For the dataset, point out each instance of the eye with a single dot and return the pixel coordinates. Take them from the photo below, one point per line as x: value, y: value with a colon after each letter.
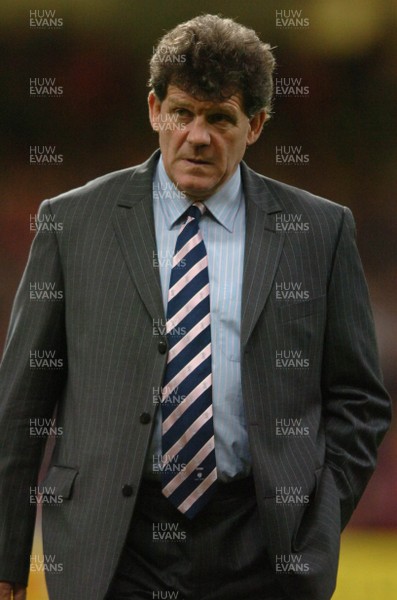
x: 182, y: 112
x: 221, y: 118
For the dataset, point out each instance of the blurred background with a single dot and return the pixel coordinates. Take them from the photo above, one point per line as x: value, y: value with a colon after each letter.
x: 335, y: 102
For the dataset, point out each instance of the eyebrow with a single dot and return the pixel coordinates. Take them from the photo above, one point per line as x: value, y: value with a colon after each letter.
x: 229, y: 110
x: 183, y: 103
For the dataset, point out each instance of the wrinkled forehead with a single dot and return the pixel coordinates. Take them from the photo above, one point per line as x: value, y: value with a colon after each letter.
x: 203, y: 101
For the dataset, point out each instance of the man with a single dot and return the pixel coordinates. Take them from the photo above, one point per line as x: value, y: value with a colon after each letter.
x: 215, y: 429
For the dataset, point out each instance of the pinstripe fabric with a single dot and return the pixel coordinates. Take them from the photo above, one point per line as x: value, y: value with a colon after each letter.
x: 223, y: 232
x: 103, y: 259
x: 241, y: 572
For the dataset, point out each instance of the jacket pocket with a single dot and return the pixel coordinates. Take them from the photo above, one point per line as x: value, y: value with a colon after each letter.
x: 59, y: 482
x: 295, y: 310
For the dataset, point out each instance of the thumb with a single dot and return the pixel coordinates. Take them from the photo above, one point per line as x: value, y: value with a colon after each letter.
x: 19, y: 592
x: 5, y: 590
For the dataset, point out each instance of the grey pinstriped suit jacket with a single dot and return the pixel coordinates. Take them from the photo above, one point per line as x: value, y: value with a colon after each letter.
x: 102, y: 257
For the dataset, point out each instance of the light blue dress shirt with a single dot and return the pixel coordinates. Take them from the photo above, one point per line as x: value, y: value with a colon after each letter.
x: 223, y: 231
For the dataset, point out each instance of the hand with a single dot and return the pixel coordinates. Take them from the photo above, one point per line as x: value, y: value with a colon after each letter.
x: 12, y: 591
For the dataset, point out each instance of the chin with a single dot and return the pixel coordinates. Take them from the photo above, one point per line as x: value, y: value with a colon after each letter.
x: 195, y: 192
x: 195, y: 188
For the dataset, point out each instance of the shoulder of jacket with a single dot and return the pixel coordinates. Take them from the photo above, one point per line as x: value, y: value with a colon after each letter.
x: 291, y: 197
x: 91, y: 189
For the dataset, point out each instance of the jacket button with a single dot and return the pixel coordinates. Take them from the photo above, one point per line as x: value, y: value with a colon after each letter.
x: 162, y: 347
x: 127, y: 490
x: 145, y: 418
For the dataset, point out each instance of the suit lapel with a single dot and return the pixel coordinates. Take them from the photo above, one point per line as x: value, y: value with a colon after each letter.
x: 263, y: 245
x: 135, y: 231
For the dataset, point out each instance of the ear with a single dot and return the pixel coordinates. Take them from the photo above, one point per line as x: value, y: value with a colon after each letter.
x: 256, y: 126
x: 154, y: 110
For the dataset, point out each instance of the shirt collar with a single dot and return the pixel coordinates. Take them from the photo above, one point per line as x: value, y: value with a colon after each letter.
x: 223, y: 205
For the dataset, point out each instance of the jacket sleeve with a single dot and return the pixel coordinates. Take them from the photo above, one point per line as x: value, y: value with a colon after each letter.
x: 29, y: 391
x: 357, y: 409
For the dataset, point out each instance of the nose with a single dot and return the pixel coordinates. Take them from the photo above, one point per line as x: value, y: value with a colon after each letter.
x: 198, y: 134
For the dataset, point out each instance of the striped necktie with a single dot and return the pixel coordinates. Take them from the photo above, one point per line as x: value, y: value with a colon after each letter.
x: 188, y: 448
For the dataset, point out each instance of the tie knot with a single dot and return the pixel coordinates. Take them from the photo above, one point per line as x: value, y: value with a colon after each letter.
x: 196, y: 210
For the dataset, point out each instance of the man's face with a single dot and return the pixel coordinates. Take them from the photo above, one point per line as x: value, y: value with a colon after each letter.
x: 201, y: 142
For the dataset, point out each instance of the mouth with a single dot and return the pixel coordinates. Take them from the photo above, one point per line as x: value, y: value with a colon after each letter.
x: 197, y: 161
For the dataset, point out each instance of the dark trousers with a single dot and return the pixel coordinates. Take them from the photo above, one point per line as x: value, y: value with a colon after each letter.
x: 219, y: 555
